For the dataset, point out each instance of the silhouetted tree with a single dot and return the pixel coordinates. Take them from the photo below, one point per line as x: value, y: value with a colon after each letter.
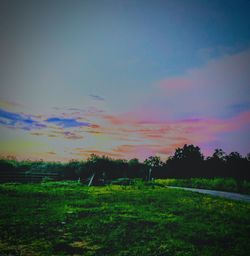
x: 215, y: 166
x: 134, y: 167
x: 235, y: 165
x: 186, y: 162
x: 98, y: 166
x: 248, y: 156
x: 154, y: 165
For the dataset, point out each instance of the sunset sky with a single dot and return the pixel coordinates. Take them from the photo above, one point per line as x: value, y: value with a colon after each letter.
x: 124, y: 78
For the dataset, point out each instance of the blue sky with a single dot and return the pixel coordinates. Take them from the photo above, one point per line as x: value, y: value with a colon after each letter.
x: 139, y: 61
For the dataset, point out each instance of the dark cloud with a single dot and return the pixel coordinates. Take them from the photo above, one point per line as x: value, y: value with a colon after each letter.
x: 16, y: 120
x: 66, y: 122
x: 96, y: 97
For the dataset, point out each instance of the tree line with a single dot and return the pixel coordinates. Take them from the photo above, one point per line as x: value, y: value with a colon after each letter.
x: 186, y: 162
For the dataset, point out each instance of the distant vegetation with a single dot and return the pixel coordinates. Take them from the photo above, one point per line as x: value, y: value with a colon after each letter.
x: 224, y: 184
x: 186, y: 162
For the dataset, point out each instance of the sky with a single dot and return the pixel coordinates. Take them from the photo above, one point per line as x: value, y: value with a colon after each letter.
x: 125, y: 79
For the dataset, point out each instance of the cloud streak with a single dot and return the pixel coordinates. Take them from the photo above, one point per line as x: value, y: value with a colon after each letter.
x: 96, y: 97
x: 21, y: 121
x: 66, y: 122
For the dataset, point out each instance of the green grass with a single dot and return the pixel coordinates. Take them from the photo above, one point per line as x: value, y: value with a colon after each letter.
x: 224, y: 184
x: 65, y: 218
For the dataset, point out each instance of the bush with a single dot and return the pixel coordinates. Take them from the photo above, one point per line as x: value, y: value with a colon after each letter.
x: 46, y: 179
x: 122, y: 181
x: 223, y: 184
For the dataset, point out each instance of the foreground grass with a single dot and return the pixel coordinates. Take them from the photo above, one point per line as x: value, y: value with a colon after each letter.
x: 69, y: 219
x: 224, y: 184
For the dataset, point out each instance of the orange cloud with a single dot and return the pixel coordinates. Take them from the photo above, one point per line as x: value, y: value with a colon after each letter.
x: 87, y: 152
x: 51, y: 153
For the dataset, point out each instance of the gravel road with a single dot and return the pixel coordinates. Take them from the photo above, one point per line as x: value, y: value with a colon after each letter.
x: 229, y: 195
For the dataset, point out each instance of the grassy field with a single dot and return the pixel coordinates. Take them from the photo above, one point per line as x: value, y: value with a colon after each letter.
x: 65, y: 218
x: 224, y: 184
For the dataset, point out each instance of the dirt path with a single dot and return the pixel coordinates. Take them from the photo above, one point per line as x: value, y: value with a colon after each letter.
x: 229, y: 195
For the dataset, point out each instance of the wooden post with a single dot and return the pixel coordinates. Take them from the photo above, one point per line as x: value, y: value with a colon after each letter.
x: 149, y: 174
x: 91, y: 180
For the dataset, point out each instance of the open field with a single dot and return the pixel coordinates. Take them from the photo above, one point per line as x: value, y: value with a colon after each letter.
x: 66, y: 218
x: 223, y: 184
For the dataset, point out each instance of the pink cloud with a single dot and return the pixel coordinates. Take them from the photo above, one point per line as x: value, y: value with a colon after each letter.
x: 113, y: 119
x: 209, y: 90
x: 176, y: 83
x: 87, y: 152
x: 165, y: 138
x: 136, y: 151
